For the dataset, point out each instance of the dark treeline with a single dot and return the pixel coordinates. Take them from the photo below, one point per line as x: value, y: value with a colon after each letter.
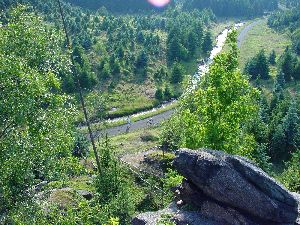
x: 235, y: 7
x: 291, y: 3
x: 119, y: 6
x: 284, y: 19
x: 290, y: 20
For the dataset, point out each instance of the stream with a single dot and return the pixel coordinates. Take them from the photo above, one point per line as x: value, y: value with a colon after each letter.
x: 221, y: 40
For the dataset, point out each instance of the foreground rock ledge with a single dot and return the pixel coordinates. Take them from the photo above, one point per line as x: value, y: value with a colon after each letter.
x: 232, y: 190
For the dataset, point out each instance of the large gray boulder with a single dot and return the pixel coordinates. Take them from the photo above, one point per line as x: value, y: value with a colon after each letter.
x: 233, y: 190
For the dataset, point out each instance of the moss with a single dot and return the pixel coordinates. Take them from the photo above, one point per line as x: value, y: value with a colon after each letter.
x: 64, y: 198
x: 164, y: 160
x: 148, y: 137
x: 81, y: 183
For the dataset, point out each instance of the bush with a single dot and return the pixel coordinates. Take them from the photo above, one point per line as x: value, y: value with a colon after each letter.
x: 171, y: 134
x: 291, y: 175
x: 115, y: 188
x: 81, y: 146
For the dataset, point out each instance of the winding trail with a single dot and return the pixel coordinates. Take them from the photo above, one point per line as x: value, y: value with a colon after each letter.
x: 159, y: 118
x: 244, y: 32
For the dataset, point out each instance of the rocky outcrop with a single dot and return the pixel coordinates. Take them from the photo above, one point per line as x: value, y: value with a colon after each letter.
x: 226, y: 190
x: 233, y: 190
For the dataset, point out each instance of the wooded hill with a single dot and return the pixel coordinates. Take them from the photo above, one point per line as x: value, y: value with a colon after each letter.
x: 119, y: 6
x: 242, y: 8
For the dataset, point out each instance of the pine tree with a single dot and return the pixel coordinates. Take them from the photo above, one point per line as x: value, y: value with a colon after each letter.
x: 207, y: 43
x: 278, y: 90
x: 272, y: 58
x: 291, y: 125
x: 106, y: 71
x: 167, y: 93
x: 159, y: 94
x: 258, y: 66
x: 296, y: 74
x: 262, y: 65
x: 278, y: 144
x: 176, y: 51
x: 192, y: 43
x: 177, y: 73
x: 140, y: 37
x: 287, y: 65
x: 87, y: 78
x: 160, y: 75
x: 142, y: 60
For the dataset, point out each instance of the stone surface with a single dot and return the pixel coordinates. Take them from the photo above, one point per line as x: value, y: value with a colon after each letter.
x: 233, y: 190
x: 86, y: 194
x: 297, y: 196
x: 180, y: 217
x: 152, y: 218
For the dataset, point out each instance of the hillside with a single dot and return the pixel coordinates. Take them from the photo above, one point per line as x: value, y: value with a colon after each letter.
x: 77, y: 147
x: 120, y: 6
x: 227, y: 8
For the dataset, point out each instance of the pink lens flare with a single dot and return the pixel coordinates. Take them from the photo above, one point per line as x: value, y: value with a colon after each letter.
x: 159, y: 3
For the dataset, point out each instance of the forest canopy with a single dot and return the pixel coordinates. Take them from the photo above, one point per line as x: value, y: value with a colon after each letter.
x: 244, y: 8
x: 119, y: 6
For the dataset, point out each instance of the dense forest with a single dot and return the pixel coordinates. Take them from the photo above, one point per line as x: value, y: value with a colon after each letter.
x: 125, y: 57
x: 119, y: 6
x: 128, y: 48
x: 242, y: 8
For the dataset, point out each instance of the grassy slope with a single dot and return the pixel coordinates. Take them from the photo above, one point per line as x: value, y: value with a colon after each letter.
x: 132, y: 142
x: 262, y: 37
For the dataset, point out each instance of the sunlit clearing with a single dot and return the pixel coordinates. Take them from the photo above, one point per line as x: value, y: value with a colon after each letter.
x: 159, y: 3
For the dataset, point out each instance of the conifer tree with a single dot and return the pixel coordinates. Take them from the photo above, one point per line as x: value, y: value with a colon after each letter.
x: 291, y: 126
x: 177, y: 73
x: 159, y: 94
x: 258, y: 66
x: 142, y: 60
x: 287, y: 65
x: 87, y: 78
x: 192, y: 43
x: 296, y: 74
x: 272, y: 58
x: 207, y: 43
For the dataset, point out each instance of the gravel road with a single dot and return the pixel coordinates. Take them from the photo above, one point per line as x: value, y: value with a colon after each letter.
x: 245, y: 31
x: 157, y: 119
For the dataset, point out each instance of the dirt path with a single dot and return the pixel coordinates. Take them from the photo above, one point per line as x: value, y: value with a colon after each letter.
x: 245, y: 31
x: 157, y: 119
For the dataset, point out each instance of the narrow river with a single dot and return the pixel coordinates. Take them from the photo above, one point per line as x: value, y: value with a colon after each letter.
x: 221, y: 39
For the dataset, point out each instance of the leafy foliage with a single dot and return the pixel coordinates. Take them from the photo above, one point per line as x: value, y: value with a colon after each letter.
x: 290, y: 177
x: 217, y: 113
x: 115, y: 190
x: 36, y: 134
